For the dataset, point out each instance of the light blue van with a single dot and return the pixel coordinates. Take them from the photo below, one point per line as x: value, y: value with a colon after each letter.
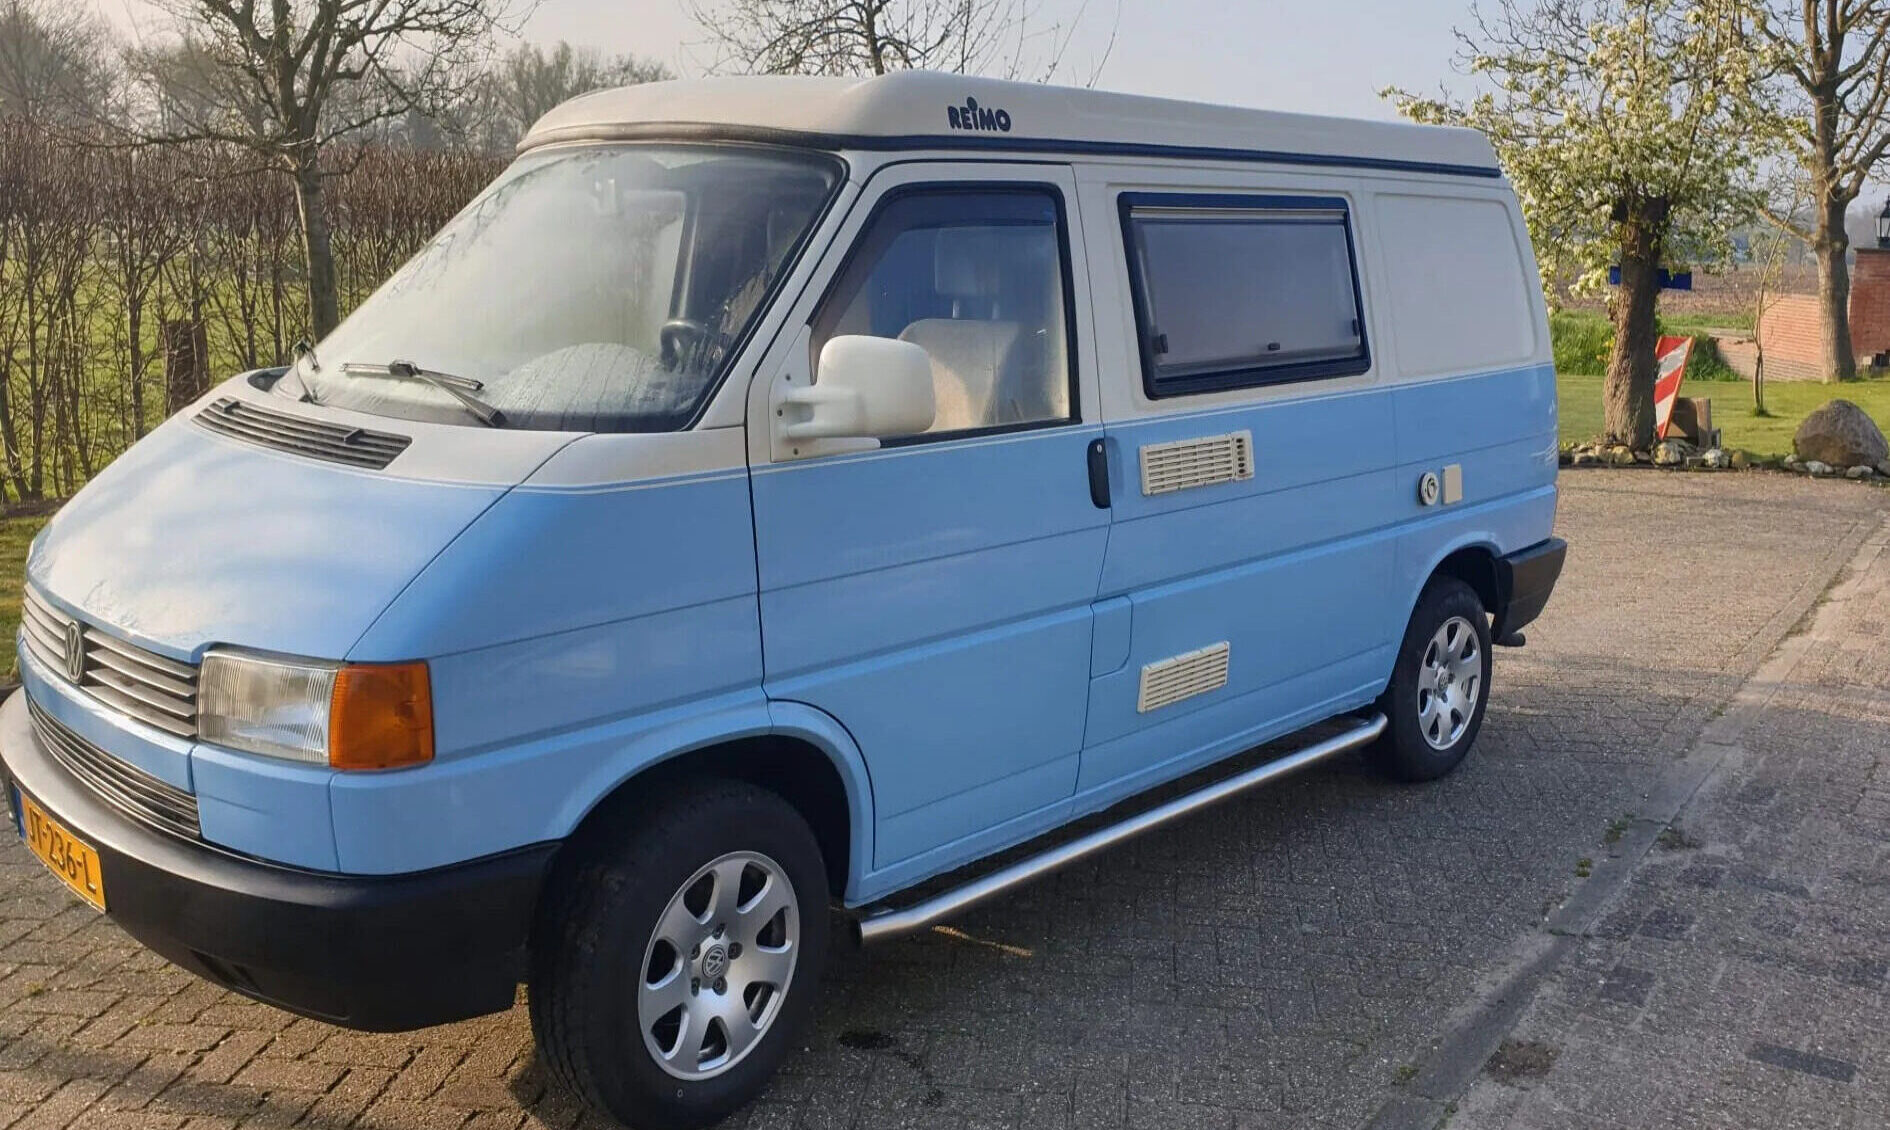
x: 772, y: 494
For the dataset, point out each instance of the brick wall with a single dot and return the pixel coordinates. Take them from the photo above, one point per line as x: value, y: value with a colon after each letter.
x: 1790, y: 326
x: 1870, y: 303
x: 1790, y: 333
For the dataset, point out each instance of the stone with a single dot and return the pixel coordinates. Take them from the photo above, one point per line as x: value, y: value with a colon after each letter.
x: 1840, y: 434
x: 1739, y: 460
x: 1584, y: 459
x: 1815, y: 467
x: 1643, y: 457
x: 1621, y: 456
x: 1716, y: 458
x: 1859, y: 472
x: 1671, y: 452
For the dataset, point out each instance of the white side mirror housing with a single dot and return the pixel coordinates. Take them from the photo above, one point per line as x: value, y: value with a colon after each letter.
x: 866, y: 388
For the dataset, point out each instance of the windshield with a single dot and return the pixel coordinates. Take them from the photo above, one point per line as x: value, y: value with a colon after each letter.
x: 592, y: 289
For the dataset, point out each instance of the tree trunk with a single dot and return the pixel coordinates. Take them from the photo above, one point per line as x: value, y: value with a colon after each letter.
x: 186, y: 363
x: 1834, y: 293
x: 324, y: 307
x: 1628, y: 394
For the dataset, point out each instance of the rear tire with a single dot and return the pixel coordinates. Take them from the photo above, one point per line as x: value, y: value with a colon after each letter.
x: 1440, y: 684
x: 677, y: 959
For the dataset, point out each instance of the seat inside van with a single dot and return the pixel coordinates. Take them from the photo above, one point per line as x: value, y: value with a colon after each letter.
x: 985, y: 302
x: 973, y: 351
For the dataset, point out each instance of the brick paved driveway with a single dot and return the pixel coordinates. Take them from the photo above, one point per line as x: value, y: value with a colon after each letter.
x: 1285, y: 960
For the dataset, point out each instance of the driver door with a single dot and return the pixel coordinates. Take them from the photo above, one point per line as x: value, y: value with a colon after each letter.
x: 932, y: 592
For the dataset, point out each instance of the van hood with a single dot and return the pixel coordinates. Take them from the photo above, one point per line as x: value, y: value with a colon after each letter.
x: 191, y: 538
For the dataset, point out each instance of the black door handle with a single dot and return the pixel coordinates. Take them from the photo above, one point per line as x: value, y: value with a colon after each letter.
x: 1099, y: 474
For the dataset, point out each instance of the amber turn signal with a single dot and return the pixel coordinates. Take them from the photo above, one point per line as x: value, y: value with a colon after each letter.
x: 381, y: 716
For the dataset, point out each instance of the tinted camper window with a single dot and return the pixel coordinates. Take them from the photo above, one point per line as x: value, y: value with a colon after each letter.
x: 1235, y: 291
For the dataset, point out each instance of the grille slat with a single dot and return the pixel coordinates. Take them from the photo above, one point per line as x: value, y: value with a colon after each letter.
x: 144, y: 693
x: 149, y: 661
x: 317, y: 439
x: 42, y: 652
x: 129, y: 789
x: 157, y: 690
x: 132, y: 669
x: 126, y: 704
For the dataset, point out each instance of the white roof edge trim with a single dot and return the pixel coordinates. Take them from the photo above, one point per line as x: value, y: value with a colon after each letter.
x: 925, y: 109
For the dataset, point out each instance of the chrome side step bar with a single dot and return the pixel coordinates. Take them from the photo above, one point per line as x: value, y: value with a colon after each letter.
x: 880, y: 925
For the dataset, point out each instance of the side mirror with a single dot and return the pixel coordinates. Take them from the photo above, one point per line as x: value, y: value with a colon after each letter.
x: 867, y: 388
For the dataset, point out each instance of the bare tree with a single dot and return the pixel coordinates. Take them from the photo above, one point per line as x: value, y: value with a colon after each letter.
x: 294, y: 76
x: 1008, y: 38
x: 529, y: 81
x: 53, y: 63
x: 1830, y: 109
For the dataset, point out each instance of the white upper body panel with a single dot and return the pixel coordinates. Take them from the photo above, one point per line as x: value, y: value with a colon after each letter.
x: 919, y: 109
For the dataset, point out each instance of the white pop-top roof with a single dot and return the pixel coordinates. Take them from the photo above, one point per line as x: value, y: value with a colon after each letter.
x: 925, y: 109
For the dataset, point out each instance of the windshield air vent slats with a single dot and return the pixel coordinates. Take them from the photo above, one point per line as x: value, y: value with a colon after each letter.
x: 316, y: 439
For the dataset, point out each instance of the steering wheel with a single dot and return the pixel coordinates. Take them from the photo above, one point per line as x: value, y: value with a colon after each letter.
x: 678, y: 337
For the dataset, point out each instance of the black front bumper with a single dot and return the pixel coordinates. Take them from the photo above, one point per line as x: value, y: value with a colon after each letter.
x: 378, y: 953
x: 1526, y: 578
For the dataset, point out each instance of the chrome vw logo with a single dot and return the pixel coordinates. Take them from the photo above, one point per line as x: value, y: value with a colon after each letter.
x: 715, y: 961
x: 75, y: 651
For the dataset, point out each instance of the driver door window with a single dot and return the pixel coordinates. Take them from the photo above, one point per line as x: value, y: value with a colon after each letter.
x: 977, y: 278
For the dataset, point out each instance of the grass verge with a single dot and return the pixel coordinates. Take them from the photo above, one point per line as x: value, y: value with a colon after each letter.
x: 1789, y: 402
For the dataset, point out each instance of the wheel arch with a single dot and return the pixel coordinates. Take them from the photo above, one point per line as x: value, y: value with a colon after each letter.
x: 794, y: 750
x: 1477, y: 564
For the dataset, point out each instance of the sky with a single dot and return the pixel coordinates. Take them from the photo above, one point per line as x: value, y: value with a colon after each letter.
x: 1315, y: 56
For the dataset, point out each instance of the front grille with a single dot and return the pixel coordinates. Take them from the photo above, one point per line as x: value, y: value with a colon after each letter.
x: 130, y: 790
x: 155, y: 690
x: 317, y: 439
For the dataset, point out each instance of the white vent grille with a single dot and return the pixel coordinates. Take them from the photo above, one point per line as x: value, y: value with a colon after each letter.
x: 1169, y: 681
x: 1188, y: 463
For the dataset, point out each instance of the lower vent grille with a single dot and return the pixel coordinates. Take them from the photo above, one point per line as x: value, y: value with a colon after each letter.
x: 1168, y: 681
x: 130, y: 790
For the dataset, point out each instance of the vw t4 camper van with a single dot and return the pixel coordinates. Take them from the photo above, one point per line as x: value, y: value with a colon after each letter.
x: 769, y: 495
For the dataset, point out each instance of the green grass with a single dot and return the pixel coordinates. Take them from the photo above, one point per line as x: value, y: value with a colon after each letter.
x: 1789, y: 402
x: 1582, y: 339
x: 15, y: 535
x: 1702, y: 323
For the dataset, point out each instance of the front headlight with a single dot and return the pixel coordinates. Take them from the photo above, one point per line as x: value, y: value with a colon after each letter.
x: 354, y: 716
x: 266, y: 705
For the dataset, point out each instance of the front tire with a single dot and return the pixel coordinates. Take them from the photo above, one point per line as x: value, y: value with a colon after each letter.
x: 678, y: 959
x: 1440, y: 684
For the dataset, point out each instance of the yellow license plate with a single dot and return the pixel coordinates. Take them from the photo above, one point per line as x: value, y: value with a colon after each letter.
x: 69, y: 857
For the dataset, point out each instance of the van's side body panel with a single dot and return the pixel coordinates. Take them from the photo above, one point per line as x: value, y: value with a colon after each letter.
x: 1308, y: 570
x: 1475, y: 374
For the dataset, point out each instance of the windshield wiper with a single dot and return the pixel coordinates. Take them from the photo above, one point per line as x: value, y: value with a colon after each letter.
x: 459, y: 388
